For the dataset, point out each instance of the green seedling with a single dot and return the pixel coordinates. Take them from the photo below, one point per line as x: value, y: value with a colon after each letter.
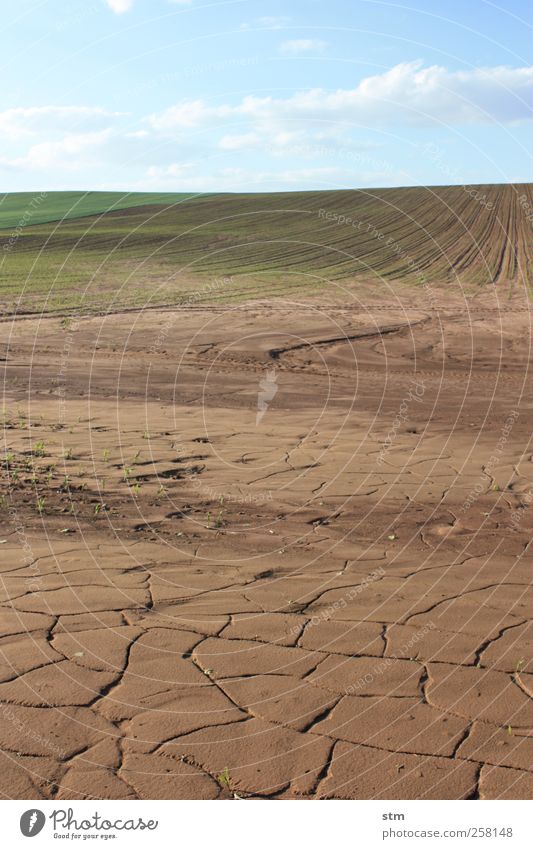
x: 97, y: 509
x: 126, y: 473
x: 68, y: 454
x: 39, y: 450
x: 105, y: 455
x: 40, y: 504
x: 224, y: 778
x: 136, y: 488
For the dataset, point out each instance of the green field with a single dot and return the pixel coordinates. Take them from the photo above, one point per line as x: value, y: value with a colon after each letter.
x: 155, y: 249
x: 22, y: 208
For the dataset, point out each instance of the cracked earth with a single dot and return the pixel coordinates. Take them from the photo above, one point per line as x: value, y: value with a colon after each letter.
x: 330, y: 600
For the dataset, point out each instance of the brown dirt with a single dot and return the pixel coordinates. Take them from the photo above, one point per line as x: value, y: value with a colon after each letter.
x: 276, y: 550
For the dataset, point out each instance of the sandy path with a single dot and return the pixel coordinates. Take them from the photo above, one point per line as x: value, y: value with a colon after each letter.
x: 274, y: 551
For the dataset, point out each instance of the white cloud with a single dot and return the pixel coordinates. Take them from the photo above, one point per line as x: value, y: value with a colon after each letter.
x: 298, y: 46
x: 244, y: 141
x: 72, y: 152
x: 27, y: 121
x: 407, y: 94
x: 120, y: 6
x: 268, y: 22
x: 194, y: 177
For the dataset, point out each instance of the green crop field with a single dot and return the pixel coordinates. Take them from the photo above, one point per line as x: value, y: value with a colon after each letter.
x: 155, y: 249
x: 22, y: 208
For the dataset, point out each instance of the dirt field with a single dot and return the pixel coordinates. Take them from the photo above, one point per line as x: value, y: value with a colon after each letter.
x: 273, y: 550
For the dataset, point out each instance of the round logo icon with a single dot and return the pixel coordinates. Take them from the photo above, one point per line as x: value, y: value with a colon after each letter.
x: 32, y: 822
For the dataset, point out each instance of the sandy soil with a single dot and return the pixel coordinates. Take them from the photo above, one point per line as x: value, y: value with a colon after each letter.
x: 280, y: 550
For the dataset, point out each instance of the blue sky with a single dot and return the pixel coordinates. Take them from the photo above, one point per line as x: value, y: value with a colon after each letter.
x: 248, y: 95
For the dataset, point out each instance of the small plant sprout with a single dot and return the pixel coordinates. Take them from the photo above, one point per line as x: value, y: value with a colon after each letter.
x: 136, y: 488
x: 146, y: 435
x: 40, y: 504
x: 520, y: 665
x: 67, y: 454
x: 97, y: 509
x: 509, y: 729
x: 208, y: 518
x: 105, y: 455
x: 9, y: 458
x: 39, y: 450
x: 126, y: 473
x: 496, y: 487
x: 224, y: 778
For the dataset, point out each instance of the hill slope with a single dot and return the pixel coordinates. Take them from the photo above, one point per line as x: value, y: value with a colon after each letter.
x: 271, y: 244
x: 23, y: 208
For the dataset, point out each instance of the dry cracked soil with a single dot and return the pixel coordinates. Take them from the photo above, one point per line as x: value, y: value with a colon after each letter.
x: 276, y: 550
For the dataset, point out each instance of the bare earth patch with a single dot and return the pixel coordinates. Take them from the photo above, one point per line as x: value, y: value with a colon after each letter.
x: 275, y: 550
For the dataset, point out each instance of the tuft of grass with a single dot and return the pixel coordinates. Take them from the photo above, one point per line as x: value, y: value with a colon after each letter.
x: 40, y: 503
x: 39, y: 449
x: 224, y: 778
